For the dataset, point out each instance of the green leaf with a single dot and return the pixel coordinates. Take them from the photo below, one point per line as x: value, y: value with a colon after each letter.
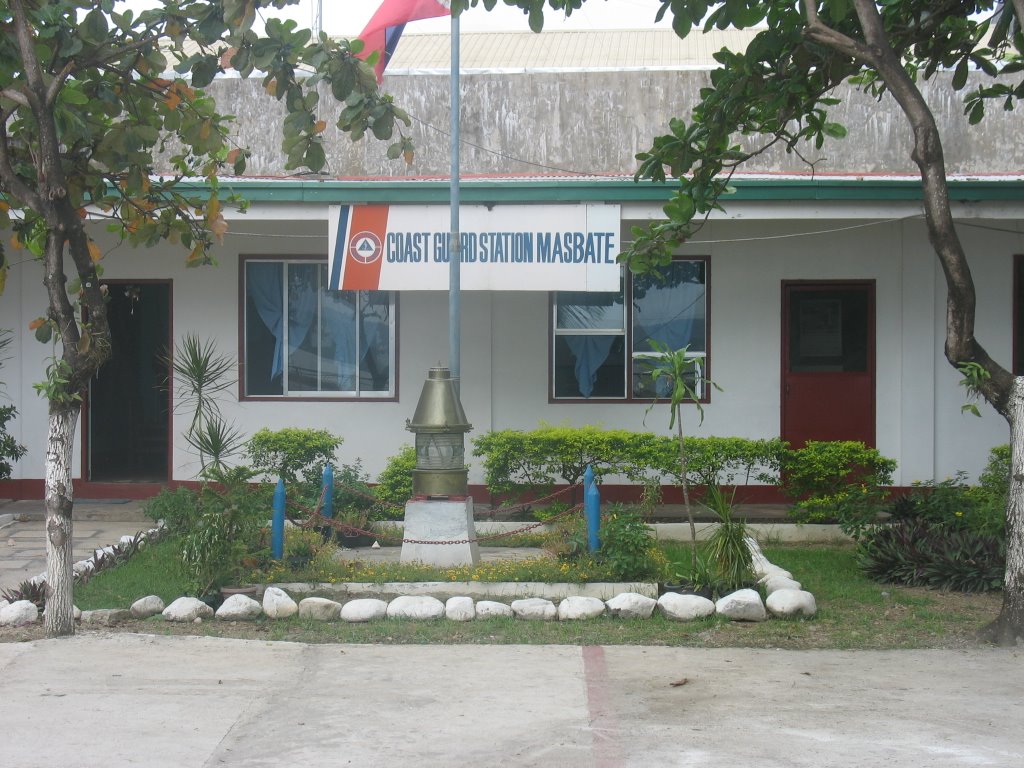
x: 835, y: 130
x: 70, y: 94
x: 960, y: 74
x: 93, y: 28
x: 977, y: 112
x: 384, y: 126
x: 536, y: 18
x: 315, y: 159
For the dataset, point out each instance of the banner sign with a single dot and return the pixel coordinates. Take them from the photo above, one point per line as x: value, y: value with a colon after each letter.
x: 504, y: 248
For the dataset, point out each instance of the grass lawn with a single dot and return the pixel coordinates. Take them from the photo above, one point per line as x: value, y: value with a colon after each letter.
x: 853, y: 613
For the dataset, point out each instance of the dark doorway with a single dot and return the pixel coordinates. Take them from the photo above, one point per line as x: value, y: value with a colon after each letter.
x: 828, y: 365
x: 129, y: 401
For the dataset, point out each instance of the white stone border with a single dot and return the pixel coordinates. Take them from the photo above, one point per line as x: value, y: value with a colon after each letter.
x: 463, y: 601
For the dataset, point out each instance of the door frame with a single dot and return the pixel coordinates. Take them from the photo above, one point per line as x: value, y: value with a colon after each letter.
x: 824, y: 285
x: 86, y: 468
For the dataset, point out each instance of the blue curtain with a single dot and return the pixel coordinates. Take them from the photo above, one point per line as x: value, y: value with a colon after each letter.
x: 667, y: 316
x: 264, y: 287
x: 590, y: 353
x: 302, y: 304
x: 340, y: 323
x: 339, y: 318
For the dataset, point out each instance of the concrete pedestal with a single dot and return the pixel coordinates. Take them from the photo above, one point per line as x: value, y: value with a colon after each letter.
x: 440, y: 521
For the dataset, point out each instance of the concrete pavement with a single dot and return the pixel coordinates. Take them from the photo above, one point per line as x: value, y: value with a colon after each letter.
x: 96, y: 524
x: 119, y: 699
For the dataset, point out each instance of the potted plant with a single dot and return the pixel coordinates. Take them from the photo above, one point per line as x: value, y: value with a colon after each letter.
x: 699, y: 580
x: 300, y: 548
x: 356, y: 522
x: 729, y: 556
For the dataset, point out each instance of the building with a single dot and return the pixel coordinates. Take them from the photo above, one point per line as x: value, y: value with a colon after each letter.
x: 814, y: 301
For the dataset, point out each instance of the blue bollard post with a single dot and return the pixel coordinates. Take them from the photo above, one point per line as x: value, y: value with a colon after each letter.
x: 277, y: 522
x: 327, y: 510
x: 592, y: 509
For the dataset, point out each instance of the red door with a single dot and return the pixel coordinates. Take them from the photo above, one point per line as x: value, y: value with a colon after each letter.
x: 828, y: 362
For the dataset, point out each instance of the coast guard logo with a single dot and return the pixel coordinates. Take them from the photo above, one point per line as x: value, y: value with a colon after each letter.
x: 365, y: 247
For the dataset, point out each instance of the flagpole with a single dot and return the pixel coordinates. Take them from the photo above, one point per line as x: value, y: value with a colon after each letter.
x: 454, y: 241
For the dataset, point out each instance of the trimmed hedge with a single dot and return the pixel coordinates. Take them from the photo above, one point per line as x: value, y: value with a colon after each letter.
x: 516, y: 461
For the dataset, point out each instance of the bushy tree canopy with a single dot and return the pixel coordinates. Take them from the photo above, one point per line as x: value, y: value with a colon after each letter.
x: 91, y: 96
x: 778, y: 92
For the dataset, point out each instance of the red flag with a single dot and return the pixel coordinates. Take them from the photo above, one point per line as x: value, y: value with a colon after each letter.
x: 384, y: 29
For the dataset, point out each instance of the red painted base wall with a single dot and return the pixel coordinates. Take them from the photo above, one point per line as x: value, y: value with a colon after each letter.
x: 33, y: 489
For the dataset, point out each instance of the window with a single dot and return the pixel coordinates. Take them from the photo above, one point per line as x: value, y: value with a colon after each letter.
x: 601, y: 340
x: 325, y: 344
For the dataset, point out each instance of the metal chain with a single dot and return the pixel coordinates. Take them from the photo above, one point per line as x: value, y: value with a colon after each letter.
x: 502, y: 509
x: 317, y: 520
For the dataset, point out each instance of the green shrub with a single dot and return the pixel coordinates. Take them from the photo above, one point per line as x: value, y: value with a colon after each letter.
x: 824, y: 468
x: 552, y: 510
x: 995, y: 478
x: 937, y: 503
x: 515, y: 461
x: 10, y: 449
x: 297, y: 455
x: 920, y: 553
x: 954, y: 504
x: 179, y: 509
x: 394, y: 483
x: 225, y: 528
x: 722, y: 460
x: 988, y: 516
x: 841, y: 479
x: 353, y: 497
x: 567, y: 539
x: 628, y: 546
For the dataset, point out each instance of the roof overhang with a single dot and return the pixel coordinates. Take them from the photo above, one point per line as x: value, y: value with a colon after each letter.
x: 495, y: 190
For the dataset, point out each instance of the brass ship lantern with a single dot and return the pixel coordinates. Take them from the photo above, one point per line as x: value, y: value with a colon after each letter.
x: 440, y: 427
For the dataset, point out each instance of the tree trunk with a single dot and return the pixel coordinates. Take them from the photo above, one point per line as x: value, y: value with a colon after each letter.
x: 60, y: 581
x: 1009, y: 626
x: 1002, y: 391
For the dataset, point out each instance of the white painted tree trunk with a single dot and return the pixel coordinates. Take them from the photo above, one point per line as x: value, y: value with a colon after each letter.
x: 1010, y: 624
x: 60, y: 619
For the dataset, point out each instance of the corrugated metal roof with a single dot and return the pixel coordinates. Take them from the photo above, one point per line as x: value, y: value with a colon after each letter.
x: 561, y: 49
x: 567, y: 49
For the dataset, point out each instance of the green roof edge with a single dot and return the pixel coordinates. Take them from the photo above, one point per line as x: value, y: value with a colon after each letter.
x: 600, y: 190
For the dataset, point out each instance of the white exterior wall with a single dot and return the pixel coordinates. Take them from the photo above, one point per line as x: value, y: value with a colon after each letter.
x: 506, y: 346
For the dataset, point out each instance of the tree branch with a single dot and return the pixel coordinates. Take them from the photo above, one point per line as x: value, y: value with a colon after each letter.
x: 819, y: 32
x: 58, y: 83
x: 10, y: 179
x: 16, y: 96
x: 33, y: 74
x: 961, y: 345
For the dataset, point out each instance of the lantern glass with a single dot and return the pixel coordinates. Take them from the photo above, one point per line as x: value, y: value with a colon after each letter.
x: 440, y: 450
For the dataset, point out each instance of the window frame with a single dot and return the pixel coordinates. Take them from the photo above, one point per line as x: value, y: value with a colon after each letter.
x: 318, y: 395
x: 629, y: 355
